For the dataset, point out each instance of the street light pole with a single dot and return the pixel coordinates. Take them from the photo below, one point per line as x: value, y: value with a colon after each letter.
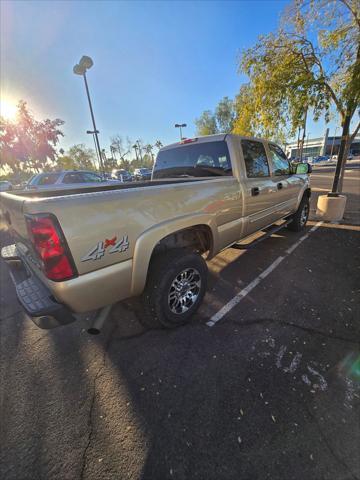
x: 93, y: 122
x: 80, y: 69
x: 96, y: 150
x: 180, y: 126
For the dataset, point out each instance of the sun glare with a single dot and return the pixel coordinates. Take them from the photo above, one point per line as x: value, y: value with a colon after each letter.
x: 7, y: 109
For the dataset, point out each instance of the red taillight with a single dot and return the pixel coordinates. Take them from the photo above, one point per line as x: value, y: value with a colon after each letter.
x: 189, y: 140
x: 46, y: 235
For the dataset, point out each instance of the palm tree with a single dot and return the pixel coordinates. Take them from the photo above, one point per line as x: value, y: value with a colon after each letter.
x: 148, y: 149
x: 158, y: 144
x: 135, y: 147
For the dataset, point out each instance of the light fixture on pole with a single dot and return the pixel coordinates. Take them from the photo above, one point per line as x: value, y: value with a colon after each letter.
x: 80, y: 69
x: 180, y: 126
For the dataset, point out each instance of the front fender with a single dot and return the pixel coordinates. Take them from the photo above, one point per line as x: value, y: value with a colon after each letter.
x: 305, y: 190
x: 147, y: 241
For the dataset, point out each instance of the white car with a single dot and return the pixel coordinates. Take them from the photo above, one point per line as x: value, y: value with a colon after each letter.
x: 67, y: 179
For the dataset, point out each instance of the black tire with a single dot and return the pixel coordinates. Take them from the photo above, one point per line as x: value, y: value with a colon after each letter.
x: 301, y: 216
x: 164, y: 269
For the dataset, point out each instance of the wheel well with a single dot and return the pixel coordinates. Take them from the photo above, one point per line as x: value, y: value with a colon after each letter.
x: 197, y: 238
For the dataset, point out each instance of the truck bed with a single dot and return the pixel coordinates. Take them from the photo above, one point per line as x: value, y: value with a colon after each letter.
x: 75, y: 191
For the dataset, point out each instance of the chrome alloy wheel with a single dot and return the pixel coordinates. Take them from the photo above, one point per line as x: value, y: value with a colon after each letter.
x: 184, y: 291
x: 304, y: 214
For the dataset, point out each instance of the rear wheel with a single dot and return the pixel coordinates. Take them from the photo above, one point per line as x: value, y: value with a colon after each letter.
x: 174, y: 290
x: 301, y: 216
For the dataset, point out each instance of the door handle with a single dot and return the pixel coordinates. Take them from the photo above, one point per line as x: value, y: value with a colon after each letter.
x: 255, y: 191
x: 280, y: 186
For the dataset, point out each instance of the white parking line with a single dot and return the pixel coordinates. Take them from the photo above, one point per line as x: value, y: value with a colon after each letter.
x: 242, y: 294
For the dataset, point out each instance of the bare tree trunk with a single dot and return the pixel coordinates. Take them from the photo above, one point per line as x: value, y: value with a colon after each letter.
x: 341, y: 156
x: 347, y: 148
x: 346, y: 153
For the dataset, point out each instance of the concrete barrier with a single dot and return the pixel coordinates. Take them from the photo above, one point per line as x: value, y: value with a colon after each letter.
x: 331, y: 209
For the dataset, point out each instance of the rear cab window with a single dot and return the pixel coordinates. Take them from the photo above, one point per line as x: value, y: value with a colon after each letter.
x: 256, y: 162
x: 203, y: 159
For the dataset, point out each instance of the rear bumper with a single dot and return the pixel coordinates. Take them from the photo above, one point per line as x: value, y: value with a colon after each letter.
x: 35, y: 298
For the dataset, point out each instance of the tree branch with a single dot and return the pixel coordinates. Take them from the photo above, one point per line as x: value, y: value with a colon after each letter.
x: 354, y: 13
x: 304, y: 41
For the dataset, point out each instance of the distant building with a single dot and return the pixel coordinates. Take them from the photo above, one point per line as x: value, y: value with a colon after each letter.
x: 325, y: 145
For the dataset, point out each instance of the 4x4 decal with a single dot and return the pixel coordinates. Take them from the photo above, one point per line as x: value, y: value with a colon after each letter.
x: 98, y: 251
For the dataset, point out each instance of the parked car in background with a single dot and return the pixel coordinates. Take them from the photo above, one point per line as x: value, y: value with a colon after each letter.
x: 320, y: 158
x: 142, y: 173
x: 350, y: 157
x: 122, y: 175
x: 66, y: 179
x: 5, y: 185
x: 106, y: 176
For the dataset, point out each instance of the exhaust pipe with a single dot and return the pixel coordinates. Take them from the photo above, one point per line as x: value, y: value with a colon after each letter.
x: 99, y: 320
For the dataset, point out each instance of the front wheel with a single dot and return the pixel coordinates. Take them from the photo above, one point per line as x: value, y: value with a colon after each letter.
x: 301, y: 216
x: 174, y: 290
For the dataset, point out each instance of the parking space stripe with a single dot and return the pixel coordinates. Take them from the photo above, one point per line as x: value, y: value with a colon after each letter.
x: 242, y: 294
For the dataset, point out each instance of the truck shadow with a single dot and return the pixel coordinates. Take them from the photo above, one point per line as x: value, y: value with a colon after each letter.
x: 189, y: 403
x: 189, y: 387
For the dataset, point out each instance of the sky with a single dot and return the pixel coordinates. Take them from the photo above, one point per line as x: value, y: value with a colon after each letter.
x: 155, y: 63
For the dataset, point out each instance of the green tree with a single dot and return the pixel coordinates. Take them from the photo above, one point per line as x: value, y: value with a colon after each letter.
x: 82, y: 156
x: 117, y: 144
x: 206, y: 124
x: 147, y: 161
x: 246, y: 117
x: 222, y: 121
x: 26, y: 143
x: 110, y: 163
x: 149, y: 151
x: 225, y: 115
x: 311, y: 64
x: 65, y: 162
x: 125, y: 164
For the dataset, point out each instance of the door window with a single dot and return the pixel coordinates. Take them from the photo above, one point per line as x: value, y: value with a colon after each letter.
x: 90, y: 177
x: 279, y: 160
x: 47, y: 179
x: 74, y: 177
x: 255, y: 159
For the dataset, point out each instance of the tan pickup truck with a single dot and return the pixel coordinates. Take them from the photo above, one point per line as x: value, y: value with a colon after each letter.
x: 82, y: 249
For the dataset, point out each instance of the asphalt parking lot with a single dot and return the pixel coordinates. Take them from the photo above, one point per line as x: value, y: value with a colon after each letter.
x: 267, y: 388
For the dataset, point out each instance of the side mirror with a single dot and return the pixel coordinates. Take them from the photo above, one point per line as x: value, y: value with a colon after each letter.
x: 303, y: 168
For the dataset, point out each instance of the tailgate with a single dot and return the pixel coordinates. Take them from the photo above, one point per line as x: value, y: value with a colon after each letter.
x: 12, y: 209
